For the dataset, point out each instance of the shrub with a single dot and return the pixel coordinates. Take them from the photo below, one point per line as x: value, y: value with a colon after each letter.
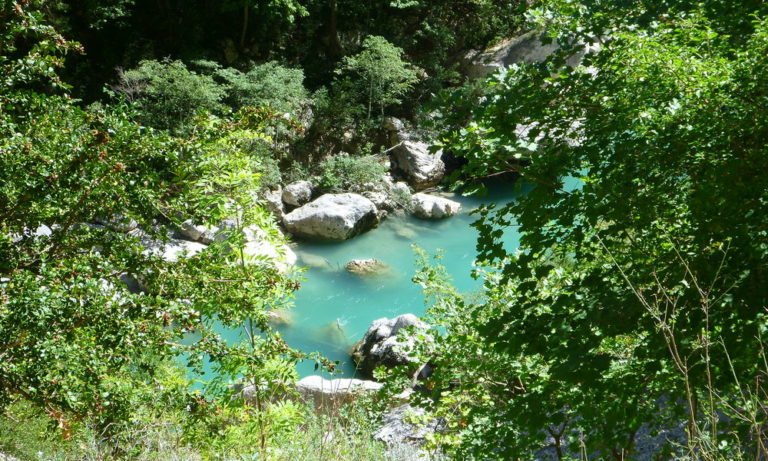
x: 168, y: 94
x: 272, y: 84
x: 342, y: 172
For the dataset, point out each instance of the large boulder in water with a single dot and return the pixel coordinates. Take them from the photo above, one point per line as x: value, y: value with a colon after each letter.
x: 420, y: 167
x: 433, y: 207
x: 331, y: 394
x: 381, y: 347
x: 333, y: 217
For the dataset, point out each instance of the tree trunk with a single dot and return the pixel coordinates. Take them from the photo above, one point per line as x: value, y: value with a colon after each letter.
x: 245, y: 24
x: 334, y: 43
x: 370, y: 99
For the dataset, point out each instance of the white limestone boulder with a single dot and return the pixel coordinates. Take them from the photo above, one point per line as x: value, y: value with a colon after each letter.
x: 420, y: 167
x: 428, y: 206
x: 119, y: 223
x: 398, y: 427
x: 262, y: 249
x: 333, y: 393
x: 198, y: 232
x: 273, y: 202
x: 172, y: 250
x: 381, y: 346
x: 297, y: 193
x: 332, y: 217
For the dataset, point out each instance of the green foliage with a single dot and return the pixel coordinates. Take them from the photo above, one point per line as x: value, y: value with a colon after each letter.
x: 377, y: 74
x: 269, y: 84
x: 343, y: 114
x: 259, y: 149
x: 432, y: 33
x: 272, y: 12
x: 73, y: 339
x: 297, y: 433
x: 96, y: 14
x: 637, y: 280
x: 343, y: 172
x: 446, y: 29
x: 168, y: 95
x: 275, y: 88
x: 37, y: 61
x: 337, y: 112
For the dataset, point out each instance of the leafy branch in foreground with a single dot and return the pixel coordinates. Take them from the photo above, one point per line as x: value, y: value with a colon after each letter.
x: 87, y: 201
x: 637, y: 299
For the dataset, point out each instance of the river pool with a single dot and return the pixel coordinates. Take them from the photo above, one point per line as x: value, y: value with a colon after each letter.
x: 334, y: 308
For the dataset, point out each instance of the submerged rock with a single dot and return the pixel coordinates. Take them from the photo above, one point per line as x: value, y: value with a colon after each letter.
x: 381, y: 347
x: 410, y: 229
x: 298, y: 193
x: 420, y: 167
x: 332, y: 334
x: 281, y: 317
x: 367, y: 266
x: 432, y: 207
x: 333, y: 217
x: 406, y: 233
x: 333, y: 393
x: 316, y: 262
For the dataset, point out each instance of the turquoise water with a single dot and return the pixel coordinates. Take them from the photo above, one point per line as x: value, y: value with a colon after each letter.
x: 333, y: 308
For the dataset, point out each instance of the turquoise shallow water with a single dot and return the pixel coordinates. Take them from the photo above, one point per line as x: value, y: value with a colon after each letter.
x: 334, y: 308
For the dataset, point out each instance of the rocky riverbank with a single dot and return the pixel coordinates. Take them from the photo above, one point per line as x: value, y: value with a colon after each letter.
x: 413, y: 169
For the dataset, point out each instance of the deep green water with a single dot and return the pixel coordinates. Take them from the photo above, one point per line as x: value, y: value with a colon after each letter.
x: 333, y: 309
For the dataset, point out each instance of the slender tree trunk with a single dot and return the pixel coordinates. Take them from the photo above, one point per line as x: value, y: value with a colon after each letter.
x: 333, y: 32
x: 370, y: 99
x: 245, y: 24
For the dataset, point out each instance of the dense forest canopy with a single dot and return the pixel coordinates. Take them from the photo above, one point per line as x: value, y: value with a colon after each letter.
x: 634, y: 306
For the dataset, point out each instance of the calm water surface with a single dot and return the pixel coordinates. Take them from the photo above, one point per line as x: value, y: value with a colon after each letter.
x: 333, y: 309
